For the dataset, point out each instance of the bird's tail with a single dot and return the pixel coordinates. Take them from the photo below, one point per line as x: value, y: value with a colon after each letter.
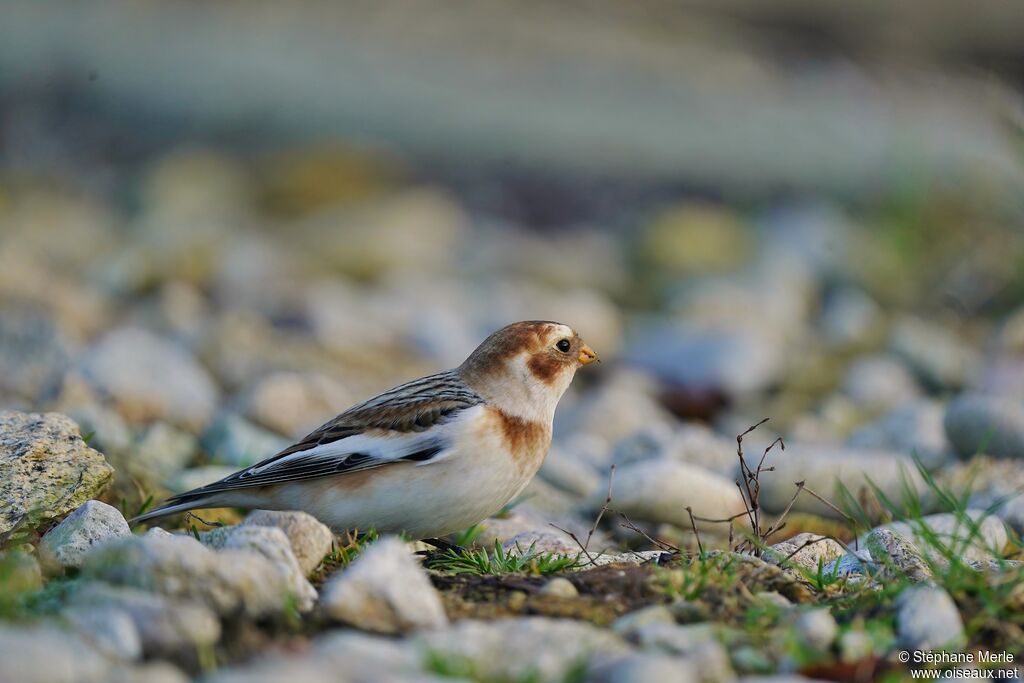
x: 179, y: 503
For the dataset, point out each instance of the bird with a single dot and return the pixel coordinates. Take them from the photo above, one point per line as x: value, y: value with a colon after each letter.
x: 426, y: 458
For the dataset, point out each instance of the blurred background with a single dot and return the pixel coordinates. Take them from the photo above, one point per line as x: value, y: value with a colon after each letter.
x: 222, y: 223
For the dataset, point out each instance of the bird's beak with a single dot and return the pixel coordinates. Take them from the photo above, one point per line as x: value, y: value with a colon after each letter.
x: 587, y: 355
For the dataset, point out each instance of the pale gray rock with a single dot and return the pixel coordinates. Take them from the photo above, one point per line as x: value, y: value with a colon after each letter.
x: 879, y: 383
x: 161, y: 452
x: 310, y: 539
x: 68, y: 543
x: 385, y: 590
x: 646, y: 666
x: 34, y: 354
x: 178, y: 566
x: 731, y: 357
x: 108, y: 431
x: 692, y: 444
x: 543, y: 542
x: 848, y: 564
x: 823, y: 468
x: 233, y: 440
x: 272, y: 543
x: 894, y: 551
x: 927, y: 619
x: 628, y: 624
x: 150, y: 377
x: 559, y: 587
x: 521, y: 647
x: 165, y: 627
x: 698, y: 643
x: 367, y: 658
x: 806, y: 550
x: 816, y: 628
x: 661, y: 490
x: 850, y: 316
x: 567, y: 471
x: 109, y: 629
x: 637, y: 557
x: 938, y: 356
x: 294, y: 403
x: 46, y: 469
x: 624, y: 403
x: 154, y: 672
x: 855, y: 645
x: 912, y: 429
x: 44, y: 654
x: 976, y: 423
x: 972, y: 536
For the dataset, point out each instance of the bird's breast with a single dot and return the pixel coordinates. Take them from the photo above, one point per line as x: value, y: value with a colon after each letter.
x: 524, y: 442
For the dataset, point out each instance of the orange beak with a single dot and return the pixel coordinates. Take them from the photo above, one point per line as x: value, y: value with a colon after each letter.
x: 587, y: 355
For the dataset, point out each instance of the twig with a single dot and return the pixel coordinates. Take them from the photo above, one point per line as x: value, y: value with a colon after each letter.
x: 693, y: 525
x: 779, y: 522
x: 590, y: 534
x: 628, y: 524
x: 192, y: 515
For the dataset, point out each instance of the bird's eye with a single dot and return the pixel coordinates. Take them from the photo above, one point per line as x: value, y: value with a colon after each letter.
x: 563, y: 345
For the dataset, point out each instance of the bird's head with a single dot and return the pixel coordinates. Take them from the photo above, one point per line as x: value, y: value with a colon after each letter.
x: 525, y: 367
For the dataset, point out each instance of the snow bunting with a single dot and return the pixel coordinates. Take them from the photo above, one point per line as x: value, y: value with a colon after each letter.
x: 429, y: 457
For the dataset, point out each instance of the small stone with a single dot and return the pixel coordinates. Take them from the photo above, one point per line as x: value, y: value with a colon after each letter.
x: 647, y: 666
x: 914, y: 428
x: 628, y: 624
x: 805, y: 550
x: 272, y: 543
x: 34, y: 354
x: 233, y: 440
x: 311, y: 540
x: 879, y: 383
x: 699, y: 643
x: 154, y: 672
x: 178, y: 566
x: 893, y: 549
x: 566, y: 471
x: 109, y: 629
x: 850, y: 316
x: 294, y: 403
x: 927, y: 619
x: 934, y: 352
x: 855, y: 646
x: 151, y: 378
x: 977, y: 423
x: 68, y: 543
x: 161, y: 452
x: 44, y: 654
x: 384, y: 590
x: 845, y: 565
x: 823, y: 468
x: 559, y: 587
x: 816, y: 628
x: 973, y: 536
x: 165, y: 627
x: 773, y: 599
x: 661, y: 490
x: 45, y: 467
x: 517, y: 648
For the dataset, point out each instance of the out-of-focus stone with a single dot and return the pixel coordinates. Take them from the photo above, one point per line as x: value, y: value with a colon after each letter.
x: 310, y: 539
x: 149, y: 377
x: 989, y: 424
